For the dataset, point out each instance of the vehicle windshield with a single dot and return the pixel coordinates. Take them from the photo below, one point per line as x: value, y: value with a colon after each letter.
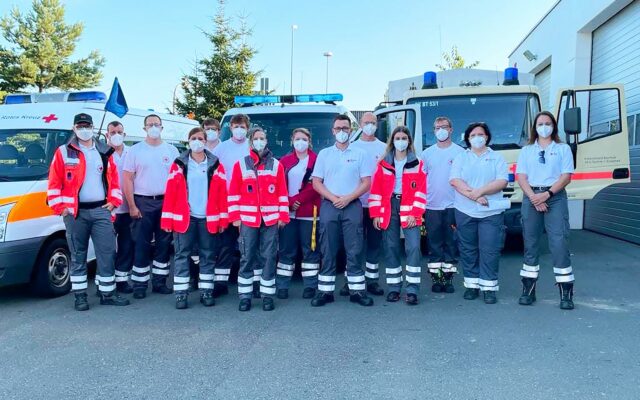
x: 507, y: 115
x: 25, y: 154
x: 279, y: 126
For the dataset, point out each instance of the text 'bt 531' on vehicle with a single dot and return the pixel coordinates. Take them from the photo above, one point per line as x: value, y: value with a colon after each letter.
x: 33, y: 247
x: 600, y: 150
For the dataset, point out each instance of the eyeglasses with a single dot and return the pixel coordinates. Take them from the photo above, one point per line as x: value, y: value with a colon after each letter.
x: 343, y: 129
x: 541, y: 159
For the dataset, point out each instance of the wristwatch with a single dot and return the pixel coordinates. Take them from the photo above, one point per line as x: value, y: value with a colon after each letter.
x: 550, y: 193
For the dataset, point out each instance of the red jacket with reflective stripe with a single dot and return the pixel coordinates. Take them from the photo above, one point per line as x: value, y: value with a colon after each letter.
x: 66, y: 176
x: 258, y: 191
x: 175, y: 208
x: 414, y: 191
x: 307, y: 196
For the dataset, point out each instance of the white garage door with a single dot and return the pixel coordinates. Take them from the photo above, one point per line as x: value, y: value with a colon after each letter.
x: 543, y: 81
x: 616, y: 50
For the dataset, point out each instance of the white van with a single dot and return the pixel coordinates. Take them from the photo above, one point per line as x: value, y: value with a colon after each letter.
x: 33, y: 248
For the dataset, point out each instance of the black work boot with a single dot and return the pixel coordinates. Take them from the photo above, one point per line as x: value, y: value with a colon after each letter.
x: 267, y: 304
x: 321, y: 299
x: 447, y: 281
x: 438, y: 283
x: 124, y: 288
x: 220, y: 289
x: 182, y: 302
x: 245, y: 305
x: 393, y: 296
x: 471, y: 294
x: 361, y: 298
x: 528, y: 292
x: 139, y: 293
x: 566, y: 296
x: 161, y: 289
x: 81, y: 303
x: 256, y: 290
x: 206, y: 298
x: 308, y: 293
x: 113, y: 299
x: 490, y: 297
x: 283, y: 294
x: 345, y: 290
x: 375, y: 289
x: 412, y: 299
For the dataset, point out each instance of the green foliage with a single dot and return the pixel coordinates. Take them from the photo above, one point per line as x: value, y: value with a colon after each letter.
x: 226, y: 73
x: 454, y: 60
x: 42, y: 46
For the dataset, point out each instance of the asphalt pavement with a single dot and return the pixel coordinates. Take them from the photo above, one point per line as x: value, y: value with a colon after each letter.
x: 444, y: 348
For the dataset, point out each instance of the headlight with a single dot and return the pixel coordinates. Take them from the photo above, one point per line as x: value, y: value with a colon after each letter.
x: 4, y: 216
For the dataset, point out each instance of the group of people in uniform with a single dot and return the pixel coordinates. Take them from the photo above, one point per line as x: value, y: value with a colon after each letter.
x: 362, y: 196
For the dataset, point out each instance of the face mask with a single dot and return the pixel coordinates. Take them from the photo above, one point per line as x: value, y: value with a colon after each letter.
x: 154, y: 132
x: 544, y: 130
x: 477, y: 142
x: 196, y: 146
x: 116, y: 139
x: 401, y: 145
x: 369, y: 129
x: 84, y: 133
x: 212, y: 135
x: 442, y: 134
x: 301, y: 145
x: 259, y: 144
x: 342, y: 136
x: 239, y: 133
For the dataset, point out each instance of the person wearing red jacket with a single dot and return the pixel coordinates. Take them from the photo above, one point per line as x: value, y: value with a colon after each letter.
x: 195, y: 210
x: 258, y: 205
x: 83, y: 188
x: 304, y: 203
x: 398, y: 200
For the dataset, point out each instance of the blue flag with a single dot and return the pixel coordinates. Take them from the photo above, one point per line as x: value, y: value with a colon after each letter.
x: 116, y: 102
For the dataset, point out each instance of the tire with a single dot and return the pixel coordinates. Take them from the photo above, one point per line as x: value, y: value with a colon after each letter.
x: 51, y: 277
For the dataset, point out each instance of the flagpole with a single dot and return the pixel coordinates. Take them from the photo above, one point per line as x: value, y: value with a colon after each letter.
x: 102, y: 122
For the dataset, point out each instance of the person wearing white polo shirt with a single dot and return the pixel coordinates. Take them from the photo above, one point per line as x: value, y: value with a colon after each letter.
x: 440, y: 217
x: 479, y: 175
x: 544, y: 170
x: 374, y: 149
x: 341, y: 175
x: 146, y: 170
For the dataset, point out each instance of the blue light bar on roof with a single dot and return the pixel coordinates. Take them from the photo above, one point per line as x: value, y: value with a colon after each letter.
x: 87, y: 96
x: 298, y: 98
x: 17, y: 99
x: 54, y: 97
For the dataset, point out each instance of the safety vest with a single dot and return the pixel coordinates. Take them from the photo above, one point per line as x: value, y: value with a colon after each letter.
x: 175, y: 207
x: 66, y: 176
x: 258, y: 191
x: 414, y: 191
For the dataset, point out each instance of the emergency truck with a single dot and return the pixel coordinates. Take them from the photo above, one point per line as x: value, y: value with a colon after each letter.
x: 33, y: 248
x: 591, y: 119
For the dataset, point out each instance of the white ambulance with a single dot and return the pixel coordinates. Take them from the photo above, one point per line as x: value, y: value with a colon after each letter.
x: 33, y: 248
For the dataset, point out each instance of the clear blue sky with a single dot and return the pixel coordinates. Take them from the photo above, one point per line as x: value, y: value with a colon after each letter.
x: 149, y: 45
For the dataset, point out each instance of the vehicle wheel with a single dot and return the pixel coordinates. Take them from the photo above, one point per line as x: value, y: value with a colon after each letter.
x: 52, y: 270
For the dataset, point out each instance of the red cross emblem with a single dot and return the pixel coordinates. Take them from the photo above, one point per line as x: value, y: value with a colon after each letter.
x: 51, y: 117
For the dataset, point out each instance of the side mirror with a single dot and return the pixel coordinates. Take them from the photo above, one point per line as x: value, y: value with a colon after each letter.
x: 572, y: 121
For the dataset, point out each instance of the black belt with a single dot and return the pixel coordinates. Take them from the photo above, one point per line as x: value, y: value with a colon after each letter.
x: 541, y: 188
x: 397, y: 195
x: 157, y: 197
x: 91, y: 204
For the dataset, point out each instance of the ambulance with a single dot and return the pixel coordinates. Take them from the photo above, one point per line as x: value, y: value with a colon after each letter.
x: 591, y: 119
x: 33, y: 248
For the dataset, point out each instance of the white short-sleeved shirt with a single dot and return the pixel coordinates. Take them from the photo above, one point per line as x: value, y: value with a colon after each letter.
x: 374, y: 151
x: 229, y: 153
x: 92, y: 187
x: 558, y: 160
x: 437, y: 165
x: 197, y: 187
x: 295, y: 176
x: 477, y: 171
x: 150, y: 164
x: 399, y: 166
x: 119, y: 160
x: 342, y: 170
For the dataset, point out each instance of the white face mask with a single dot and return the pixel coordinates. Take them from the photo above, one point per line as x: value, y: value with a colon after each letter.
x: 154, y: 132
x: 212, y: 135
x: 84, y: 133
x: 477, y: 142
x: 544, y: 130
x: 259, y: 144
x: 300, y: 145
x: 116, y: 139
x: 196, y: 145
x: 239, y: 133
x: 442, y: 134
x: 400, y: 145
x: 342, y: 137
x: 369, y: 129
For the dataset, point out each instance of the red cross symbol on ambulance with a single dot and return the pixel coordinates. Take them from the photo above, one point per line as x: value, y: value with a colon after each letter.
x: 48, y: 118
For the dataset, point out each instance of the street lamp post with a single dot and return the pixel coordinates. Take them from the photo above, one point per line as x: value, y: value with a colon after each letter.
x: 293, y: 28
x: 326, y: 85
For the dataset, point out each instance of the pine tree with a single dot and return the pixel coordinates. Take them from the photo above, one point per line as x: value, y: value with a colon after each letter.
x: 226, y: 73
x: 42, y: 45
